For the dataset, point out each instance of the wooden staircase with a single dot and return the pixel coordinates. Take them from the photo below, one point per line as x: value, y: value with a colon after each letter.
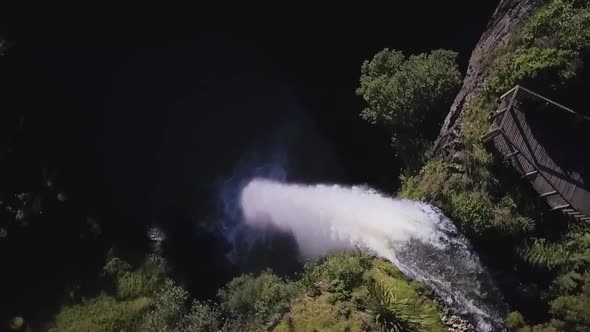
x: 511, y: 137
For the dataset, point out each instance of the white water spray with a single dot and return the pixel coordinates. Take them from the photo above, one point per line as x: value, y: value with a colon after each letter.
x: 414, y: 236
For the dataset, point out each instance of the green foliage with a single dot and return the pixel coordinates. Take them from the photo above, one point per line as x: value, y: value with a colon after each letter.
x: 16, y: 323
x: 256, y: 301
x: 548, y: 48
x: 312, y: 273
x: 554, y: 66
x: 403, y: 92
x: 132, y: 283
x: 561, y: 23
x: 543, y: 254
x: 346, y: 271
x: 389, y: 313
x: 331, y: 308
x: 168, y: 308
x: 515, y: 321
x: 509, y: 221
x: 201, y: 318
x: 143, y: 300
x: 430, y: 183
x: 169, y: 313
x: 103, y: 313
x: 572, y: 312
x: 472, y: 211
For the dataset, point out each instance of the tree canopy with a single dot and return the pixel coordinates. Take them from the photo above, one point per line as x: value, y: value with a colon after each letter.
x: 406, y: 95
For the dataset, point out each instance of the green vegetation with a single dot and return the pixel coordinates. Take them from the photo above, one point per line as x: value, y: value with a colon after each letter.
x: 121, y: 309
x: 544, y: 51
x: 171, y: 313
x: 256, y: 303
x: 355, y: 292
x: 343, y: 292
x: 372, y: 296
x: 390, y: 314
x: 404, y: 94
x: 140, y: 299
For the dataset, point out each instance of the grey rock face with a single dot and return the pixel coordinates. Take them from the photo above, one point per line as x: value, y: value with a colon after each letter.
x: 501, y: 26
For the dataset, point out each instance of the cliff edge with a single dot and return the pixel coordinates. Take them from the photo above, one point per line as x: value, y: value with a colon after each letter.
x: 502, y: 25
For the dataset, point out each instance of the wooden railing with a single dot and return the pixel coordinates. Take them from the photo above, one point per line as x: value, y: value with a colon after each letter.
x: 526, y: 148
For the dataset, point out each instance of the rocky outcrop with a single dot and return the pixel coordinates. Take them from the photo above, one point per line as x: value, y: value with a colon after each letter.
x: 502, y: 24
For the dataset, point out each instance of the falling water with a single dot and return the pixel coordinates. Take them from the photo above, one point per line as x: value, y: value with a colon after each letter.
x: 414, y: 236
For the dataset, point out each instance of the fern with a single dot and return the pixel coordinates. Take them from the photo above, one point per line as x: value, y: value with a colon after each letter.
x: 567, y: 282
x: 543, y: 254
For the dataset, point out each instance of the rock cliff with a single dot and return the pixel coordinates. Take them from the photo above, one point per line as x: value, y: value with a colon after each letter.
x: 503, y: 23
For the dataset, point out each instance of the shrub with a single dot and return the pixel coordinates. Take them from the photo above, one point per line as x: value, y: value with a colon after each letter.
x: 312, y: 273
x: 103, y: 313
x: 256, y: 301
x: 170, y: 313
x: 347, y: 270
x: 548, y: 65
x: 431, y: 182
x: 135, y: 284
x: 565, y: 23
x: 515, y: 321
x: 404, y: 93
x: 201, y: 318
x: 573, y: 311
x: 472, y: 211
x: 168, y: 308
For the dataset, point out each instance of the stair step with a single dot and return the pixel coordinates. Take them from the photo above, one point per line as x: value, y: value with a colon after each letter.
x: 529, y: 174
x: 560, y: 207
x: 550, y: 193
x: 508, y: 156
x: 493, y: 133
x: 500, y: 112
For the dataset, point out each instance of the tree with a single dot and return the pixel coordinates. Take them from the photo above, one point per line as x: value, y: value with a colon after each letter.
x: 407, y: 95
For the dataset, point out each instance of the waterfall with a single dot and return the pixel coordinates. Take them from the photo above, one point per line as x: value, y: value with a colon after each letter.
x: 414, y: 236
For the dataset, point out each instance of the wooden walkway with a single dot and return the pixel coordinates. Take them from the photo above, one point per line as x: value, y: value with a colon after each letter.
x: 549, y: 145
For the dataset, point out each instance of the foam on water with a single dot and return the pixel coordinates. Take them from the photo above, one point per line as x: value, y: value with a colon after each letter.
x: 414, y: 236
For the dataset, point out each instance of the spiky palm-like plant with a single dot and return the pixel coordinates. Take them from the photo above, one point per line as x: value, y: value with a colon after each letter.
x: 391, y: 314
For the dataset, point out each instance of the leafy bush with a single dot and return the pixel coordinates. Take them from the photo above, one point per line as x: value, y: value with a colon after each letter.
x: 515, y: 321
x: 430, y: 183
x: 347, y: 270
x: 564, y: 23
x: 508, y: 220
x: 103, y: 313
x: 130, y: 283
x: 472, y: 211
x: 135, y: 284
x: 548, y: 65
x: 201, y: 318
x: 402, y: 94
x: 312, y: 273
x: 168, y: 308
x: 170, y: 313
x: 256, y: 301
x: 390, y: 314
x: 573, y: 311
